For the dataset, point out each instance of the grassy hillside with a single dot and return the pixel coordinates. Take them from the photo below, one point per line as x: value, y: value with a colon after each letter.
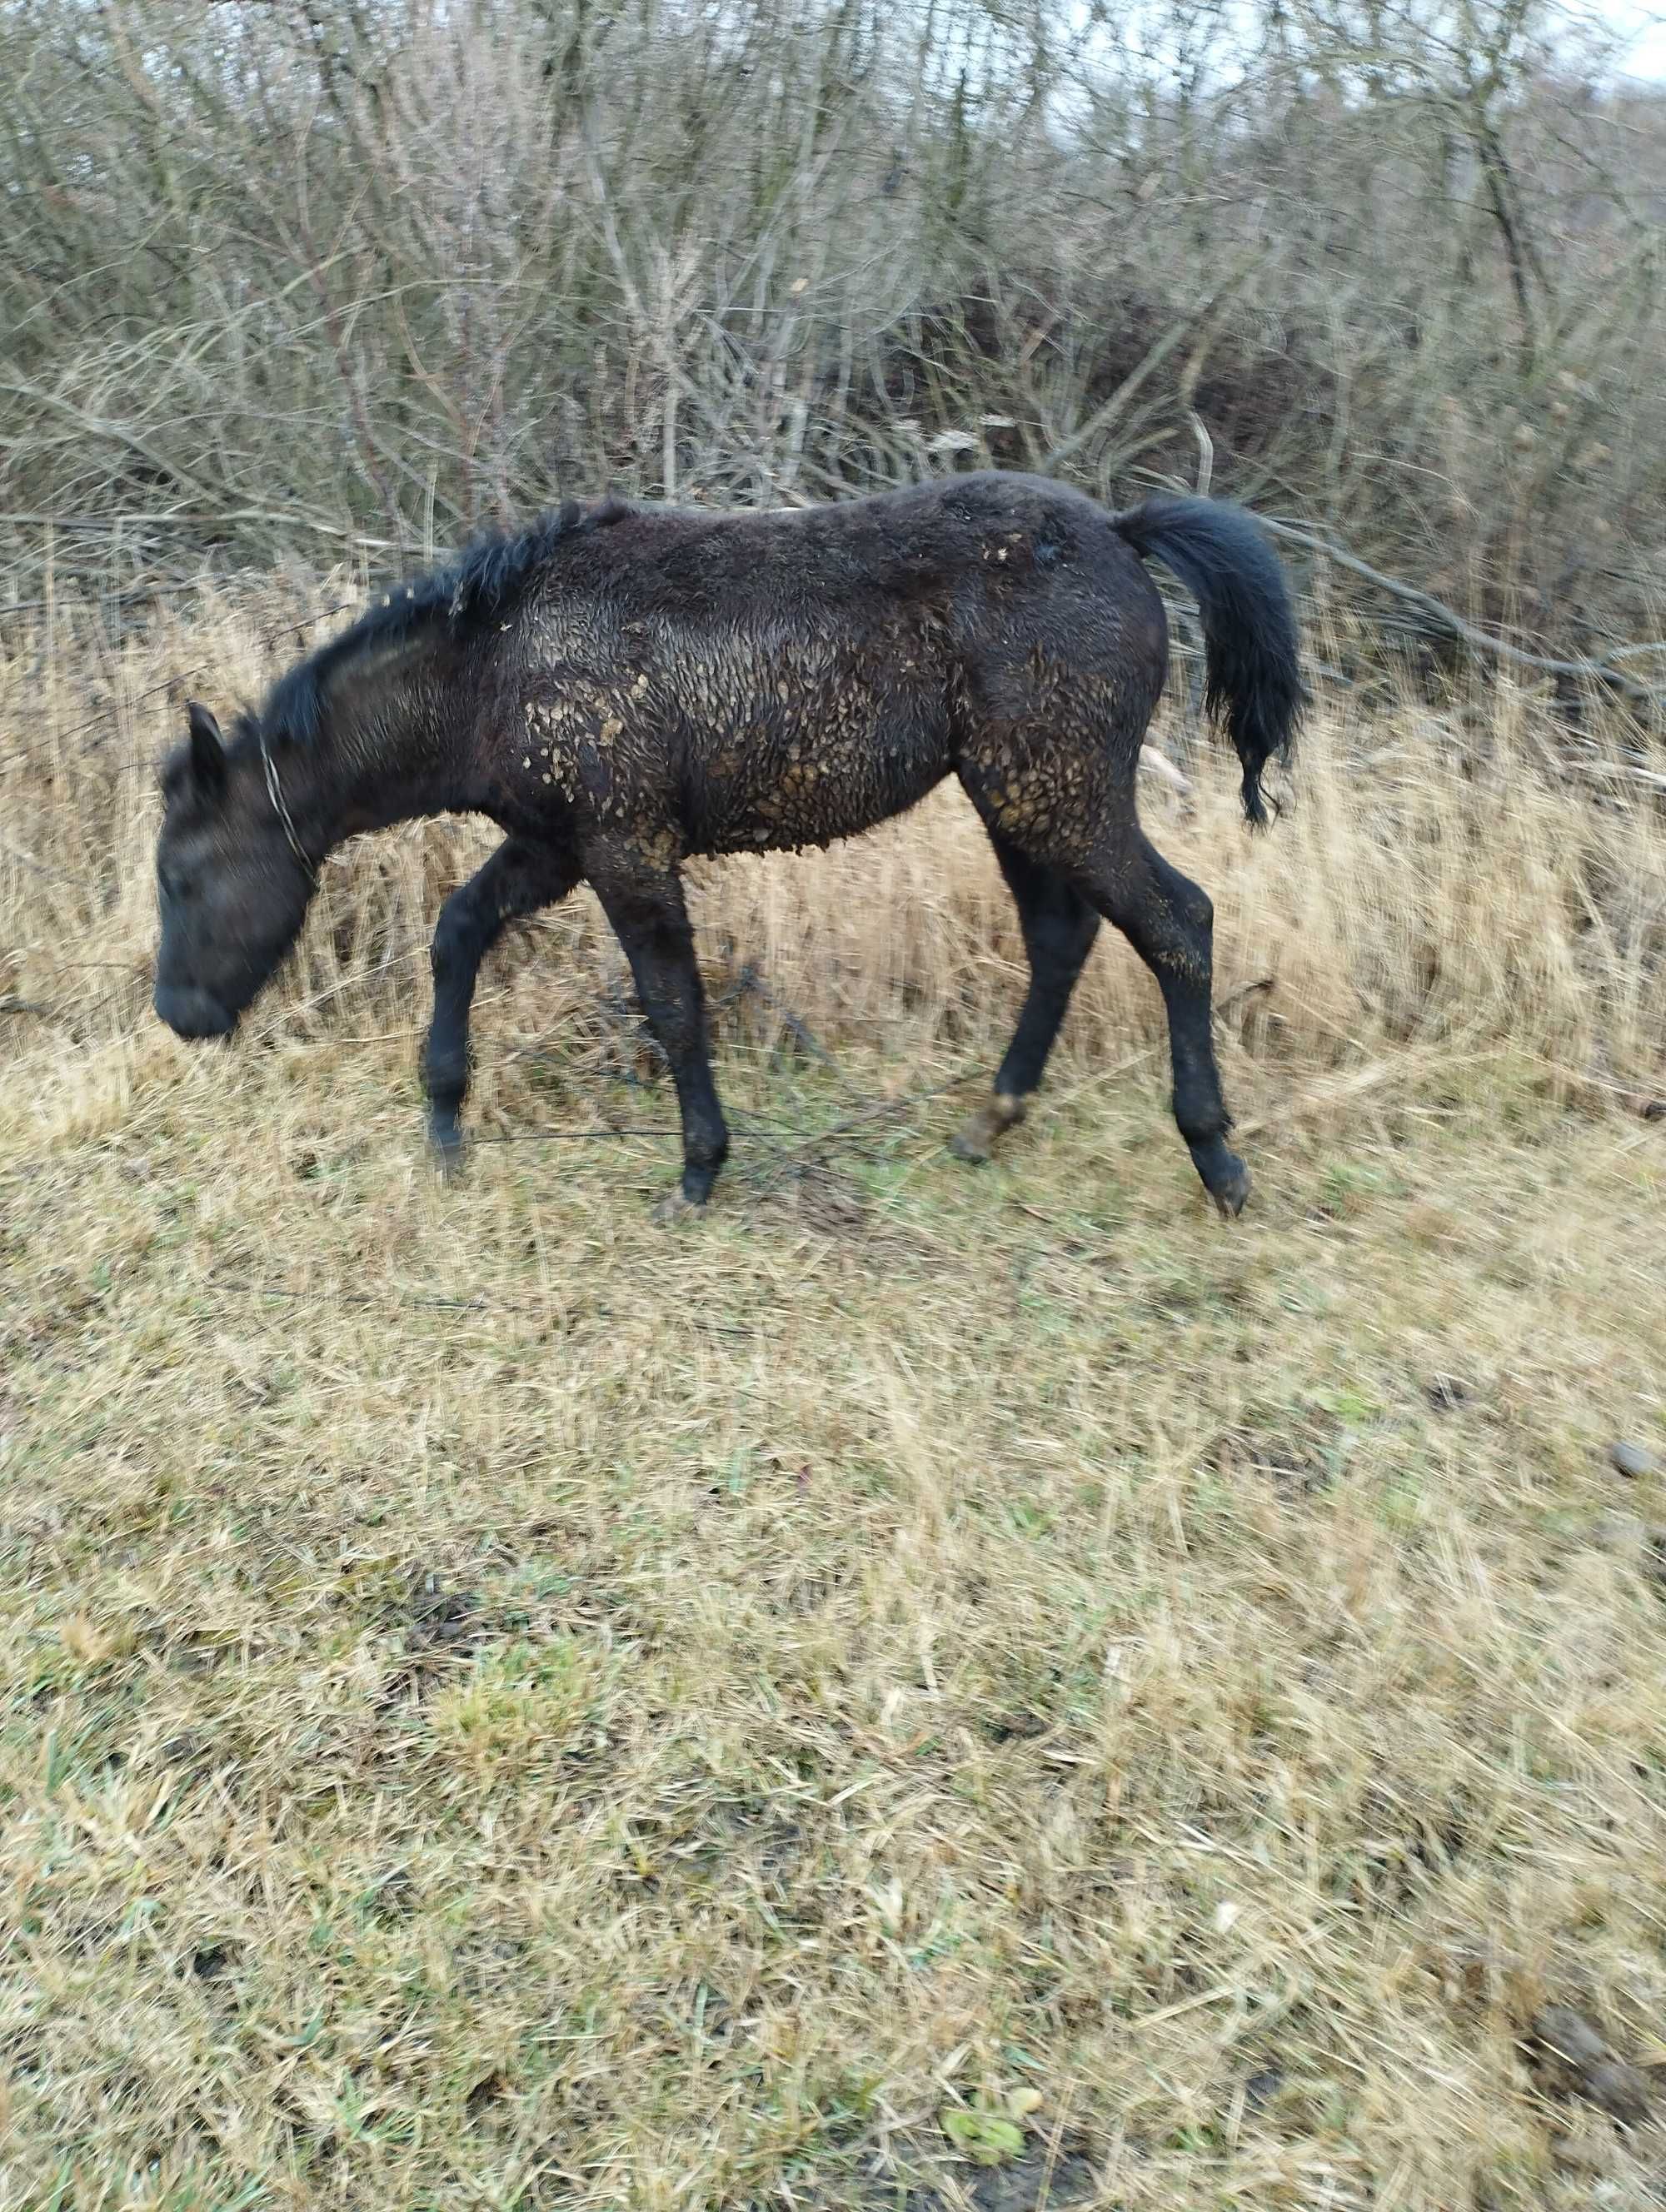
x: 929, y: 1686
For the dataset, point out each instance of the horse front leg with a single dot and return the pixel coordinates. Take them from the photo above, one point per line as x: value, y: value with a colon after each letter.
x: 517, y: 879
x: 644, y: 903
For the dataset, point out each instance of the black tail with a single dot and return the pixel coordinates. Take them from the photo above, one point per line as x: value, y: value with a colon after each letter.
x: 1254, y: 680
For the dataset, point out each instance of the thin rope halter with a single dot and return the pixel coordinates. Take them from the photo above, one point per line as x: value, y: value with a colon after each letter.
x: 275, y: 792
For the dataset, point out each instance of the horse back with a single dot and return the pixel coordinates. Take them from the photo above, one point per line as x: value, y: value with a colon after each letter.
x: 788, y: 678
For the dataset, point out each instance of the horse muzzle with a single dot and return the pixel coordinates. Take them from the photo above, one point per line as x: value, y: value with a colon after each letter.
x: 192, y: 1013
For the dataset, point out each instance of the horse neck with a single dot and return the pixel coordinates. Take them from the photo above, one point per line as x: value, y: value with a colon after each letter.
x: 387, y: 752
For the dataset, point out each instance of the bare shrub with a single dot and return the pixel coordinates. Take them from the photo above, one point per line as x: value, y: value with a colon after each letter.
x: 281, y: 281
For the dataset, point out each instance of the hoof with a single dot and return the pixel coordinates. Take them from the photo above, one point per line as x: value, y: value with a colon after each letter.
x: 445, y: 1145
x: 1225, y: 1177
x: 674, y: 1207
x: 978, y: 1137
x: 1230, y: 1202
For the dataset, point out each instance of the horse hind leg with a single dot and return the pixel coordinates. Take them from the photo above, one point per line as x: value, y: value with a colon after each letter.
x: 1059, y: 926
x: 1170, y: 921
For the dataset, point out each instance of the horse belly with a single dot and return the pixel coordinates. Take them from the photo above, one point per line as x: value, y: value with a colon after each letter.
x: 813, y: 769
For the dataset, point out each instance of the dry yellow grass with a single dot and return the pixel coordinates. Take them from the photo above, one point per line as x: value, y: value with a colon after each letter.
x: 508, y: 1706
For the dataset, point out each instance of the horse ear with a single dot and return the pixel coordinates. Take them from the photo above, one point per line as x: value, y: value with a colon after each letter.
x: 208, y: 748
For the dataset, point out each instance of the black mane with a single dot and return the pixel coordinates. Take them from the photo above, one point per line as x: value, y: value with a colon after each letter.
x: 486, y: 578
